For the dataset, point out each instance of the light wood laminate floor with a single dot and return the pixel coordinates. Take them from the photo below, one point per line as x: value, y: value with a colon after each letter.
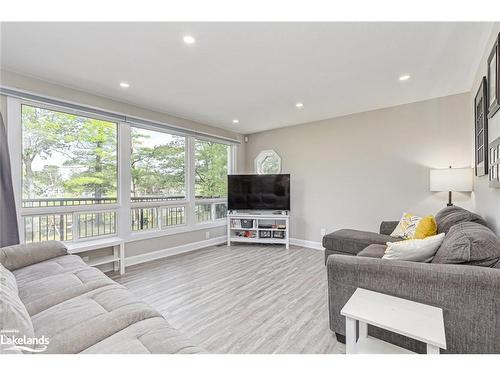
x: 241, y: 299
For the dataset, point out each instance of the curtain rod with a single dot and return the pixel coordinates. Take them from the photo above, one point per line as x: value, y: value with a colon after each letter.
x: 112, y: 115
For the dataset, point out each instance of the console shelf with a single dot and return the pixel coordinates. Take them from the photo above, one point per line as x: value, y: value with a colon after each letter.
x: 277, y: 231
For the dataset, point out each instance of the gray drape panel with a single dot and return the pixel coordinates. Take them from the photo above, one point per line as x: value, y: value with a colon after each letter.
x: 9, y: 234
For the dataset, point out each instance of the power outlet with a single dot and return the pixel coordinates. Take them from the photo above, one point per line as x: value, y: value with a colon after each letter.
x: 207, y: 235
x: 323, y: 232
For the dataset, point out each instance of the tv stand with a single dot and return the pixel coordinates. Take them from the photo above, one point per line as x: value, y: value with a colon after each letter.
x: 272, y: 227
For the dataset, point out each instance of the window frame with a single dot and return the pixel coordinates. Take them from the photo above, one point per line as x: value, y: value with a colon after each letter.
x: 155, y: 129
x: 15, y: 139
x: 231, y: 157
x: 123, y: 205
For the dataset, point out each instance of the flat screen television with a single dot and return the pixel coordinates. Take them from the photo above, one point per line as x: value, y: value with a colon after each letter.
x: 259, y: 192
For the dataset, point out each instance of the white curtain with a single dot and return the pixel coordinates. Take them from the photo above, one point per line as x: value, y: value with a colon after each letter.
x: 9, y: 234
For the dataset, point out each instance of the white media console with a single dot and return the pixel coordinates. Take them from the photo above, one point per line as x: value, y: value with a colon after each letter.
x: 259, y: 227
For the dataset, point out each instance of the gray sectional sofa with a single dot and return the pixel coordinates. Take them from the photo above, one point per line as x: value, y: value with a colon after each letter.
x: 46, y: 293
x: 463, y: 279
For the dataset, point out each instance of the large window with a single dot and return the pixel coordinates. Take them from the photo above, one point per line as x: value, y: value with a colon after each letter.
x: 83, y: 177
x: 211, y: 169
x: 67, y: 159
x: 158, y: 174
x: 157, y: 166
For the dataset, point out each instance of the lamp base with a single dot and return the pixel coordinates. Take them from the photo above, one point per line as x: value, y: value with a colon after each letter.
x: 449, y: 200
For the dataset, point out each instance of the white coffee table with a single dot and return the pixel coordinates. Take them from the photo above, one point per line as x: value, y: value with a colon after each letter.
x: 420, y: 322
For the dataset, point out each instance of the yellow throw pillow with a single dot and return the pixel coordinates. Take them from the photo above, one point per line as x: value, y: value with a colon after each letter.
x: 415, y: 227
x: 426, y: 227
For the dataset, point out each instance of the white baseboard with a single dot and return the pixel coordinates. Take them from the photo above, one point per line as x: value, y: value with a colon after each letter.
x: 147, y: 257
x: 136, y: 259
x: 308, y: 244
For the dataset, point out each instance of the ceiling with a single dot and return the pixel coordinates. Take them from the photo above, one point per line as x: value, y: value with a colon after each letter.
x: 255, y: 72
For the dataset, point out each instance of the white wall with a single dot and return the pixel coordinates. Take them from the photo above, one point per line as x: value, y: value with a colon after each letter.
x: 487, y: 200
x: 356, y: 170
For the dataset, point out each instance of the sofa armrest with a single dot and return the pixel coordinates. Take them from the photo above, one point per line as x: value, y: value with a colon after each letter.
x: 468, y: 295
x: 18, y: 256
x: 387, y: 227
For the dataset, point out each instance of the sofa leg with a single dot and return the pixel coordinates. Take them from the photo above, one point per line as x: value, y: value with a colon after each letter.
x: 340, y: 338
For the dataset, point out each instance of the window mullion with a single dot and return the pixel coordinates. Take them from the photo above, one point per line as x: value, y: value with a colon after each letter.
x: 212, y: 211
x: 232, y: 155
x: 75, y: 226
x: 124, y: 180
x: 190, y: 181
x: 159, y: 218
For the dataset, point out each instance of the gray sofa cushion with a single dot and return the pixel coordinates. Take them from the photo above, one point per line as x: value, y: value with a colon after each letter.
x: 387, y: 227
x: 373, y: 251
x: 83, y: 321
x: 54, y: 266
x: 14, y: 319
x: 353, y: 241
x: 331, y: 252
x: 40, y: 294
x: 149, y: 336
x: 452, y: 215
x: 469, y: 243
x: 17, y: 256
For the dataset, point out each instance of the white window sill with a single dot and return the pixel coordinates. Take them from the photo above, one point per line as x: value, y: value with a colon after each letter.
x: 92, y: 244
x: 154, y: 233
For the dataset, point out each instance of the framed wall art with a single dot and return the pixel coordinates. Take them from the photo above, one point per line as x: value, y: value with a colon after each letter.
x: 494, y: 79
x: 268, y: 162
x: 494, y: 164
x: 481, y: 129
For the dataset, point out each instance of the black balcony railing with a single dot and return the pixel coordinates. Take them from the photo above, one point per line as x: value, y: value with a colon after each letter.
x: 48, y: 227
x: 60, y: 226
x: 203, y: 212
x: 58, y: 202
x: 96, y: 224
x: 144, y: 218
x: 220, y: 211
x: 172, y: 216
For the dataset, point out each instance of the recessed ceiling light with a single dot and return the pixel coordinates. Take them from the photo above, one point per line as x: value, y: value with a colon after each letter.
x: 188, y: 39
x: 299, y: 105
x: 236, y: 121
x: 125, y: 85
x: 404, y: 77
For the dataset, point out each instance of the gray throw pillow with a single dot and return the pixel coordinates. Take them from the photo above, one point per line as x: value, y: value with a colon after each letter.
x: 18, y: 256
x: 453, y: 215
x: 469, y: 243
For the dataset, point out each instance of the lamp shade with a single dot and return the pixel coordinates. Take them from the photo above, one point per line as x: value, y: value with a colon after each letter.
x: 451, y: 179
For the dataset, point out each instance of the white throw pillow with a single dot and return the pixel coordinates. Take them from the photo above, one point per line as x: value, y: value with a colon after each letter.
x: 414, y: 250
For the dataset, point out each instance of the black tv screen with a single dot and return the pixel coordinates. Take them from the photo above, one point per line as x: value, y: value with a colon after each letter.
x: 259, y: 192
